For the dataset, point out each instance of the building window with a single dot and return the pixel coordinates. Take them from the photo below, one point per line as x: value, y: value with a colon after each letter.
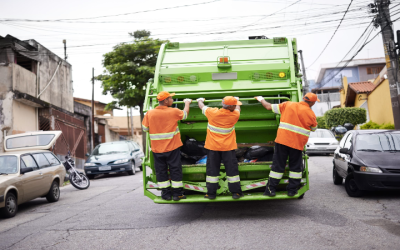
x: 374, y: 70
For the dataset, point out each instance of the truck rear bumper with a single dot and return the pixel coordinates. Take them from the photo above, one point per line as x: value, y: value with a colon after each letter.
x: 224, y: 198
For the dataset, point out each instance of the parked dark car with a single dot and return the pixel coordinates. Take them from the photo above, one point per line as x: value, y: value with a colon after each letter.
x: 114, y: 157
x: 368, y: 160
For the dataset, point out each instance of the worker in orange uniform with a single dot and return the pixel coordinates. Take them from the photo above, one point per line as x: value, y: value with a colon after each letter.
x: 221, y: 143
x: 162, y: 124
x: 297, y: 120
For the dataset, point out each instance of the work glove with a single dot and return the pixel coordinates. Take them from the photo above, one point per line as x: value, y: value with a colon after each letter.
x: 259, y: 98
x: 187, y: 100
x: 237, y: 98
x: 200, y: 99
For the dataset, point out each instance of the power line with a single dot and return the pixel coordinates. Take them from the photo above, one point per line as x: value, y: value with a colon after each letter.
x: 332, y: 34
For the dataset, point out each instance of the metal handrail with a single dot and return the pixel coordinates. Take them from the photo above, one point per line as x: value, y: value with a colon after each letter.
x: 241, y: 99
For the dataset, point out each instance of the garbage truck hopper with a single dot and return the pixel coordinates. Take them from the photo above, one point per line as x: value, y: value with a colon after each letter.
x: 213, y: 70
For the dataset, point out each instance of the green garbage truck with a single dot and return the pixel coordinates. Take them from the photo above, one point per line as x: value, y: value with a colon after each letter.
x: 213, y: 70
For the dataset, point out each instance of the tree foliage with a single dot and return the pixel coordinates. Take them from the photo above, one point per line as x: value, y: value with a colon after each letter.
x: 128, y: 68
x: 340, y: 116
x: 374, y: 125
x: 321, y: 122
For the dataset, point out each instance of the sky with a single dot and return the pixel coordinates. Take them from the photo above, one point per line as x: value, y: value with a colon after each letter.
x: 92, y: 28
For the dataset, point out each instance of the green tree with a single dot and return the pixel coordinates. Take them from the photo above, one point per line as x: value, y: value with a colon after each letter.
x: 128, y: 67
x: 321, y: 122
x: 340, y: 116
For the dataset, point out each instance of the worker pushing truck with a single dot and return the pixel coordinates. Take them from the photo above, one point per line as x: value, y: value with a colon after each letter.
x: 219, y: 74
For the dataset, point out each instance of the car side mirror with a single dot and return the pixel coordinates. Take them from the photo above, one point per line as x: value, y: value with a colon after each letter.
x: 344, y: 151
x: 25, y: 170
x: 87, y: 154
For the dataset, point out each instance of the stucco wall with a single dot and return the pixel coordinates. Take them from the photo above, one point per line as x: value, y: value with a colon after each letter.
x: 24, y: 118
x: 6, y: 78
x: 379, y: 104
x: 111, y: 135
x: 6, y: 121
x: 360, y: 99
x: 24, y: 80
x: 363, y: 71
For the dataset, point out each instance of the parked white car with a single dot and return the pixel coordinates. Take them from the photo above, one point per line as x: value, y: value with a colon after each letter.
x: 322, y: 141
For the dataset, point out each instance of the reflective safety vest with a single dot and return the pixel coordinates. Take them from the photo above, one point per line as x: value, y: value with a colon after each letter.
x: 221, y: 134
x: 297, y: 121
x: 162, y: 125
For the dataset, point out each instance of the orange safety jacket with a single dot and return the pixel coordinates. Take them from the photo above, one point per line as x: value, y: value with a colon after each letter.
x: 297, y: 120
x: 221, y: 135
x: 162, y: 124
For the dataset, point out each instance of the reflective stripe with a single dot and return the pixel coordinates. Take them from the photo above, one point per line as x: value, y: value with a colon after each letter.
x: 145, y: 129
x: 313, y: 128
x: 164, y: 136
x: 204, y: 110
x: 232, y: 179
x: 164, y: 184
x: 295, y: 129
x: 218, y: 130
x: 212, y: 179
x: 275, y: 109
x: 295, y: 175
x: 184, y: 115
x: 176, y: 184
x: 275, y: 175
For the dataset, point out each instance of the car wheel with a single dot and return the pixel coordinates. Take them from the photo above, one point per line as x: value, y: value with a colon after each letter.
x: 133, y: 171
x: 54, y: 193
x: 141, y: 168
x: 11, y: 206
x: 351, y: 187
x: 337, y: 180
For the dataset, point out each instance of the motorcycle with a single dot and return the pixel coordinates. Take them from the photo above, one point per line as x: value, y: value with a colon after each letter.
x: 77, y: 179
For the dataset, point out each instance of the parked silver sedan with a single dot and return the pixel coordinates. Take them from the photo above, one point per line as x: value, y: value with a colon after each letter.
x: 322, y: 141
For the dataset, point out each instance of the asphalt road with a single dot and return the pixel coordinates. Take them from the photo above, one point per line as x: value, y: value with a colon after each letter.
x: 114, y: 214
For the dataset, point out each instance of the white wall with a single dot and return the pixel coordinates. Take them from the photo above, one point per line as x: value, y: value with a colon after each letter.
x: 321, y: 107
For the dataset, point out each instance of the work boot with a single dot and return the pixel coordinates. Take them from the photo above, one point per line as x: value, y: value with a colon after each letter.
x: 178, y: 197
x: 269, y: 192
x: 210, y: 196
x: 166, y: 194
x: 292, y: 193
x: 237, y: 196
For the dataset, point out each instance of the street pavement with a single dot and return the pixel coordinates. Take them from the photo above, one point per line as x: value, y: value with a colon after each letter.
x: 114, y: 214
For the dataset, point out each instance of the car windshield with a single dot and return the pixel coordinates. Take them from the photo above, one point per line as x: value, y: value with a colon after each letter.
x: 8, y: 164
x: 322, y: 134
x: 378, y: 142
x: 103, y: 149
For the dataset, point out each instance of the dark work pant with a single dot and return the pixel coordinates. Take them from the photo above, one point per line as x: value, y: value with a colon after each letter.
x: 172, y: 160
x: 278, y: 167
x: 214, y: 159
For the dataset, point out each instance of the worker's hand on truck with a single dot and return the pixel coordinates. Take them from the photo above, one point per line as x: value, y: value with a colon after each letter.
x: 200, y: 99
x: 187, y: 100
x: 259, y: 98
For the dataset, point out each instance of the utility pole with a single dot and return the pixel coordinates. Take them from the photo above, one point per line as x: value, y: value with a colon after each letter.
x: 132, y: 128
x: 92, y: 109
x: 305, y: 89
x: 65, y: 49
x: 127, y: 118
x: 383, y: 19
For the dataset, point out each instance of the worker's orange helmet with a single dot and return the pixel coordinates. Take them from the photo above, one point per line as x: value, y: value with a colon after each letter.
x: 164, y: 95
x: 311, y: 97
x: 230, y: 100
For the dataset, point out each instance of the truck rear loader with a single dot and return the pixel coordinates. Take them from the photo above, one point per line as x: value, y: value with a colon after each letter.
x: 213, y: 70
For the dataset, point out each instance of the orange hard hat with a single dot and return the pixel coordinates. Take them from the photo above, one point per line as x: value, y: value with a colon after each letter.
x: 311, y: 97
x: 230, y: 100
x: 164, y: 95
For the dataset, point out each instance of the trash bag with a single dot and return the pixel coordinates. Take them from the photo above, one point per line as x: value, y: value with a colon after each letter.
x: 192, y: 147
x: 268, y: 157
x: 187, y: 161
x: 241, y: 151
x: 340, y: 130
x: 256, y: 152
x: 203, y: 160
